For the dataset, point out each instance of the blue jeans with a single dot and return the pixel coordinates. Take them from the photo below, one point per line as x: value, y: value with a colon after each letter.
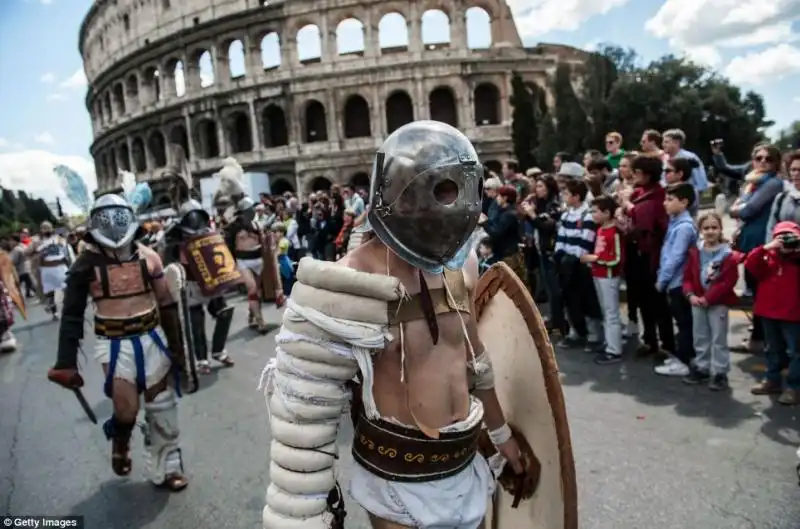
x: 783, y: 340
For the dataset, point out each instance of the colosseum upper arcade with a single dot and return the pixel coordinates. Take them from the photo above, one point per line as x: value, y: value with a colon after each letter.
x: 305, y: 90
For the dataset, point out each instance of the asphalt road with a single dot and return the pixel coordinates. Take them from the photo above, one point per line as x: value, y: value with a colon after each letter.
x: 650, y: 452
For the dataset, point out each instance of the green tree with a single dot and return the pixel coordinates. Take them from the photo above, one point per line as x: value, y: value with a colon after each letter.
x: 524, y: 133
x: 789, y: 138
x: 570, y: 119
x: 548, y: 146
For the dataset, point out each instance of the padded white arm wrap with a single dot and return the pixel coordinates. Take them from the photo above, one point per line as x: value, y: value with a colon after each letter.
x: 482, y: 374
x: 328, y: 334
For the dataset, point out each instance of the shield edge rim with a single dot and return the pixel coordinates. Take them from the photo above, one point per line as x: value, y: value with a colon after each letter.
x: 501, y: 277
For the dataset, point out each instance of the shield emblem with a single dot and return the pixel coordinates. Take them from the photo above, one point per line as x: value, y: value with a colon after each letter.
x: 528, y: 388
x: 8, y: 276
x: 210, y: 263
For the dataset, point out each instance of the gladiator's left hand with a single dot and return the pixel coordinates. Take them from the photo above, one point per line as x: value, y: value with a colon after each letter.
x: 510, y: 450
x: 280, y: 299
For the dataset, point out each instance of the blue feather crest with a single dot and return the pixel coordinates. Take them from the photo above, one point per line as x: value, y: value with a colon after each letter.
x: 140, y: 197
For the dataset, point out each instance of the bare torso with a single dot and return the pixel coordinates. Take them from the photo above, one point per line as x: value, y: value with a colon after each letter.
x: 246, y: 240
x: 435, y: 392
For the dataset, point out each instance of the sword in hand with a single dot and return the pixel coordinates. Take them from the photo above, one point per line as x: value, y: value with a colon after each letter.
x: 85, y: 405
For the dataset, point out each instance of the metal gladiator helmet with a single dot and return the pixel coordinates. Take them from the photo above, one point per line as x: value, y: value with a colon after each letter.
x: 425, y: 196
x: 112, y: 222
x: 193, y: 218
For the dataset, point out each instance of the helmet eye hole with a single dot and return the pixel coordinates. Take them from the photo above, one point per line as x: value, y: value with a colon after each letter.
x: 446, y: 192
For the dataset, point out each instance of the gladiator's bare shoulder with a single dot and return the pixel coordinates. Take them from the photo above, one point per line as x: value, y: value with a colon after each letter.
x: 154, y: 263
x: 361, y: 259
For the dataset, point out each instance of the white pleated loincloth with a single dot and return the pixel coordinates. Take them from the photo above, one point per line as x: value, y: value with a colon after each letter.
x: 254, y: 265
x: 156, y: 363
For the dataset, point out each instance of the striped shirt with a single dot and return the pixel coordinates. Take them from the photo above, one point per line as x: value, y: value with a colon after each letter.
x: 576, y: 232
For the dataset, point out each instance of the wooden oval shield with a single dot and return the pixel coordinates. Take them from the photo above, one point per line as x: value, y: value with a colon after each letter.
x: 8, y: 276
x: 528, y: 388
x: 210, y: 263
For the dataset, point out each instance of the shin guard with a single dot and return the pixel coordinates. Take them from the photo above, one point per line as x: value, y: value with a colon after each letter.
x: 116, y: 429
x: 162, y: 449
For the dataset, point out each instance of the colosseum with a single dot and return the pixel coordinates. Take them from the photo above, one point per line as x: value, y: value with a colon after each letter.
x: 163, y: 72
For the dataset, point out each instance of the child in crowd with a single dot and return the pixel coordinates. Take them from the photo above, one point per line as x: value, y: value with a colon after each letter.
x: 285, y: 264
x: 708, y: 281
x: 574, y: 239
x: 776, y: 268
x: 679, y: 170
x: 485, y: 255
x: 606, y: 266
x: 681, y: 235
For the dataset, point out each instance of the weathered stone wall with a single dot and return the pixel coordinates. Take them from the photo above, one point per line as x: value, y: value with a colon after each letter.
x: 308, y: 121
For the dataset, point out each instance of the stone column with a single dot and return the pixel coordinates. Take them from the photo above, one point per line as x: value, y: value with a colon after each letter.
x: 327, y: 37
x: 221, y: 65
x: 414, y: 29
x: 252, y: 57
x: 332, y: 116
x: 372, y: 42
x: 222, y: 137
x: 255, y: 129
x: 187, y: 122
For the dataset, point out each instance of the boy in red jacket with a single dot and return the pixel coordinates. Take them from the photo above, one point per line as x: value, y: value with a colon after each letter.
x: 709, y: 278
x: 606, y: 263
x: 776, y: 268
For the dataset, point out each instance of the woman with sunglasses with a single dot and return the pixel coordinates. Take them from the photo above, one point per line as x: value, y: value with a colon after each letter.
x: 752, y: 208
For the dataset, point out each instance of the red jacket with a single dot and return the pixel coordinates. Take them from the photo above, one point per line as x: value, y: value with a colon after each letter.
x: 778, y: 292
x: 720, y: 289
x: 649, y: 221
x: 609, y: 251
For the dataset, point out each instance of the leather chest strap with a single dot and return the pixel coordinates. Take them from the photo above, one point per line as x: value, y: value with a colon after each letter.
x: 413, y: 308
x: 395, y: 453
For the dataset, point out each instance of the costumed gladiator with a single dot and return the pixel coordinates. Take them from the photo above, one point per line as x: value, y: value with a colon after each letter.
x: 251, y: 248
x: 52, y: 255
x: 207, y: 270
x: 126, y: 283
x: 399, y: 313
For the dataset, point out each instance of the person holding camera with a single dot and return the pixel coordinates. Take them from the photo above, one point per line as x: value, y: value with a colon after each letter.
x: 776, y: 267
x: 752, y: 209
x: 786, y: 206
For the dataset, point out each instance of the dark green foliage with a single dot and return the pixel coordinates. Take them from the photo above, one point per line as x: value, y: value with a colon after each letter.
x: 613, y: 91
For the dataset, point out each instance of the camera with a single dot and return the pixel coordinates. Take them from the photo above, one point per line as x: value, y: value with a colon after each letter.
x: 790, y: 241
x: 717, y: 142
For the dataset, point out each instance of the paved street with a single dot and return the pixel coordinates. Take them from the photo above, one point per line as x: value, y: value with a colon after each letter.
x: 650, y: 452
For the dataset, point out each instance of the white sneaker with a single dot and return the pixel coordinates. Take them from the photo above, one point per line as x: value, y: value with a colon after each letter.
x: 8, y: 343
x: 672, y: 367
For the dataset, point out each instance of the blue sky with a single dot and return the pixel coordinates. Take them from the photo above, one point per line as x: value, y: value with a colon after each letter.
x: 44, y: 119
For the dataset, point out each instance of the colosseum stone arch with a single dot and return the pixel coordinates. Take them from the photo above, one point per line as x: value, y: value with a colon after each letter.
x: 303, y: 90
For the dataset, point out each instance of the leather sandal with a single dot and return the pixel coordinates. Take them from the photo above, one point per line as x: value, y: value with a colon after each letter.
x: 174, y: 483
x: 121, y: 457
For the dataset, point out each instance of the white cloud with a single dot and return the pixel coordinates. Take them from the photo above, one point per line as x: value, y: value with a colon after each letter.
x: 699, y: 28
x: 56, y: 97
x: 537, y: 17
x: 75, y: 81
x: 46, y: 2
x: 796, y: 99
x: 32, y: 171
x: 48, y: 78
x: 765, y: 66
x: 44, y: 138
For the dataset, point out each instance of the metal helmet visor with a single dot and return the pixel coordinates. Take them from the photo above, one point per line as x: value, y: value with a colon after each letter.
x: 432, y: 215
x: 113, y: 226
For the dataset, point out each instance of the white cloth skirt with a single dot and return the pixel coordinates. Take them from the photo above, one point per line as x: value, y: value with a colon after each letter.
x: 53, y: 278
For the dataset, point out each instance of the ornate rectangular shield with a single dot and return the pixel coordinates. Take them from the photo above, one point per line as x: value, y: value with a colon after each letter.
x: 210, y: 263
